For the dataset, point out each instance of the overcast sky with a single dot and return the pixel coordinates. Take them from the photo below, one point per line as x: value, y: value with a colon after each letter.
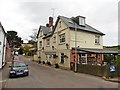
x: 25, y: 15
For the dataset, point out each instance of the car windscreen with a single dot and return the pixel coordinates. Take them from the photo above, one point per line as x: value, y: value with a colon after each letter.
x: 19, y: 64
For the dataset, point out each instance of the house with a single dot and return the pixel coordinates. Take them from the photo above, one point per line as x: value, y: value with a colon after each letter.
x: 43, y: 44
x: 70, y: 40
x: 26, y: 45
x: 3, y: 41
x: 28, y: 49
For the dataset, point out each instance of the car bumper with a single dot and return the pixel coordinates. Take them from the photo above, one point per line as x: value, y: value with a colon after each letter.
x: 19, y: 74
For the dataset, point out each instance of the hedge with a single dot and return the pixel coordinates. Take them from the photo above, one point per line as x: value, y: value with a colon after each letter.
x: 98, y: 70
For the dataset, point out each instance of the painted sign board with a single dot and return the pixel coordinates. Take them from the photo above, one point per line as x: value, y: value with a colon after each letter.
x: 112, y: 68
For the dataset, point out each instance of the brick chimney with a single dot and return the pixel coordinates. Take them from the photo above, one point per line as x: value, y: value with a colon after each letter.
x: 50, y: 21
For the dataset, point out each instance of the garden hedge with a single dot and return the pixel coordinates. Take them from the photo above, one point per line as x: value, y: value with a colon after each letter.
x: 98, y: 70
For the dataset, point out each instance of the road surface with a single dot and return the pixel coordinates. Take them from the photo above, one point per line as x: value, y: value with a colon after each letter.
x: 42, y: 76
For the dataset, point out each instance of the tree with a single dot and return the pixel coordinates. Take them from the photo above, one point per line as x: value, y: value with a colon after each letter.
x: 34, y: 35
x: 13, y: 39
x: 33, y: 38
x: 20, y: 51
x: 26, y: 49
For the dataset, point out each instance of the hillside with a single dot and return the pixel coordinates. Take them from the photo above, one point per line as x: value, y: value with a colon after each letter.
x: 112, y: 47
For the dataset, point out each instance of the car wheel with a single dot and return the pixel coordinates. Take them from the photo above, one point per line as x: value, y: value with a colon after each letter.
x: 10, y: 76
x: 27, y: 74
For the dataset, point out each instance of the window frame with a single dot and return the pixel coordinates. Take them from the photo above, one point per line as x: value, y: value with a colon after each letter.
x: 81, y: 21
x: 62, y: 38
x: 97, y: 40
x: 54, y: 39
x: 59, y: 24
x: 40, y: 44
x: 48, y: 42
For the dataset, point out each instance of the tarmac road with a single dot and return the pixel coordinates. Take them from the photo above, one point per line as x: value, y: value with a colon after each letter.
x: 42, y: 76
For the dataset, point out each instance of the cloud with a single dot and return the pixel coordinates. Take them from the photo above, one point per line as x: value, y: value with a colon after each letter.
x: 26, y: 15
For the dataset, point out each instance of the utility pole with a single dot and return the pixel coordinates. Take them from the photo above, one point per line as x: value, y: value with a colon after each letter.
x: 53, y: 12
x: 75, y: 47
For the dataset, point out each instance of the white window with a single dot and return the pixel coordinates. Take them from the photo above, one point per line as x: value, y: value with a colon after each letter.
x: 97, y: 39
x: 48, y: 42
x: 81, y: 21
x: 62, y: 38
x: 54, y: 39
x: 40, y: 32
x: 83, y: 58
x: 60, y: 24
x: 40, y: 43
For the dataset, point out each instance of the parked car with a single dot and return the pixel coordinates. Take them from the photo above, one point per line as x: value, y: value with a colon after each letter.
x: 18, y: 68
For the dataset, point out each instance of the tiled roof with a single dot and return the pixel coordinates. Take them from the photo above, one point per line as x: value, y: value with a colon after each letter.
x: 45, y: 30
x: 98, y: 51
x: 71, y: 24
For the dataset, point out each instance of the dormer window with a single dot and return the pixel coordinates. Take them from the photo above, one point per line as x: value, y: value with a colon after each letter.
x: 82, y: 21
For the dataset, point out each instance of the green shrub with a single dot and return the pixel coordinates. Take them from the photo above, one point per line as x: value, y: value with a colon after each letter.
x: 98, y: 70
x: 91, y: 69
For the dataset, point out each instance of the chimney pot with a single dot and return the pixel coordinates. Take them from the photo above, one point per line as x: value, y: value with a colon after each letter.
x: 47, y: 25
x: 50, y: 21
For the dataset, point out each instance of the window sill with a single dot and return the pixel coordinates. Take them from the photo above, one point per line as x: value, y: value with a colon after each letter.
x: 61, y: 63
x: 97, y: 44
x: 48, y: 46
x: 61, y: 43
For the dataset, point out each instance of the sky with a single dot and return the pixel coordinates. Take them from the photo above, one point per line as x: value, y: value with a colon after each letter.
x: 25, y: 16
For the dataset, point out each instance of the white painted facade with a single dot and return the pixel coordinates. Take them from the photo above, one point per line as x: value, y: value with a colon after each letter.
x: 84, y: 39
x: 2, y: 47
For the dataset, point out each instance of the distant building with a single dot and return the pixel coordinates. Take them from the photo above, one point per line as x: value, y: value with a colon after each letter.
x: 26, y: 45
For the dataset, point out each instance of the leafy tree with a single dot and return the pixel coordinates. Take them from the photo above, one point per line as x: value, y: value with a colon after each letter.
x: 13, y: 39
x: 20, y: 51
x: 118, y: 47
x: 26, y: 49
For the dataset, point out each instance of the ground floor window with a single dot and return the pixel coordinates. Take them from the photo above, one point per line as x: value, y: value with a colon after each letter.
x: 93, y: 59
x: 62, y: 58
x: 83, y: 58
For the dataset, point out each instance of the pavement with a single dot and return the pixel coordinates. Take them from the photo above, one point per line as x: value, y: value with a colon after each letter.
x: 116, y: 79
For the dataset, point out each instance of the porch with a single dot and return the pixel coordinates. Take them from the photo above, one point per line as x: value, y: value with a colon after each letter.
x: 91, y: 56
